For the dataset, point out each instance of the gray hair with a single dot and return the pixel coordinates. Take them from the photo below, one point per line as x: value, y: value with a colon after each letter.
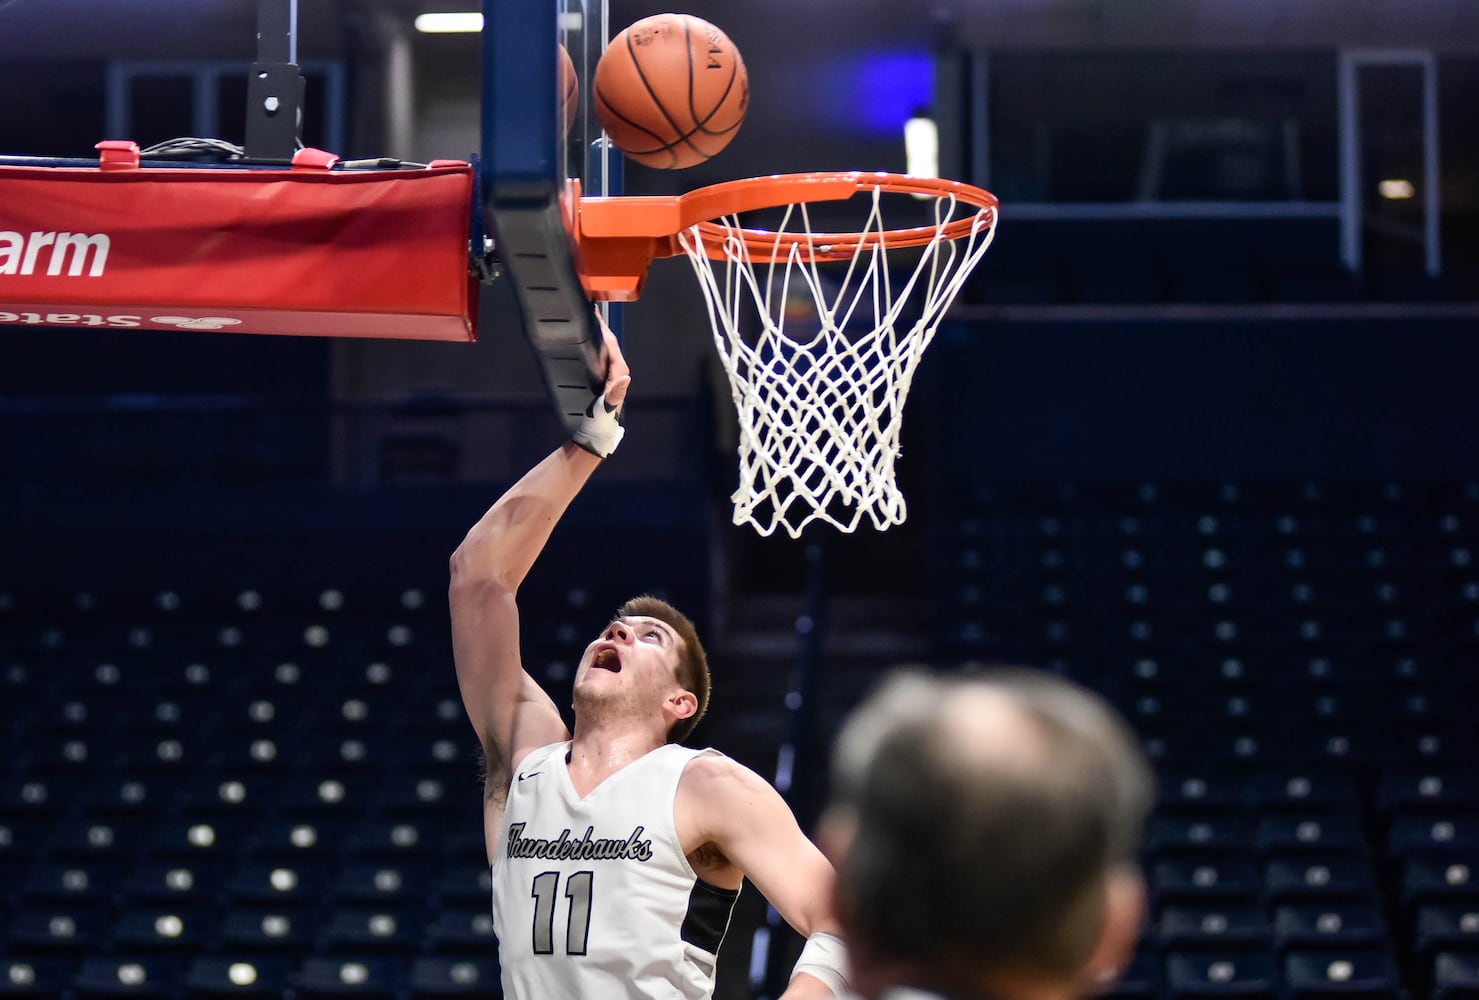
x: 986, y: 814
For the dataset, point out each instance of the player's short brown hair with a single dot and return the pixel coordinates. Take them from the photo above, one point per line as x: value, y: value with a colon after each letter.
x: 693, y: 662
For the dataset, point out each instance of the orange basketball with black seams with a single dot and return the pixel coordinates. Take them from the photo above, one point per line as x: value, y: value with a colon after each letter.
x: 671, y: 91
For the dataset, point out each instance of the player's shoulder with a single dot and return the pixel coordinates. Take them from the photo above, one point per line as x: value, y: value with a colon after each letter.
x: 712, y: 775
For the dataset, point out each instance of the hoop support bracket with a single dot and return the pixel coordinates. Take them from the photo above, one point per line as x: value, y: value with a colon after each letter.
x: 274, y: 111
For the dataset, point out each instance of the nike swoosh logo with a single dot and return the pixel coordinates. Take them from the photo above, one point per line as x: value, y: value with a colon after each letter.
x: 529, y: 775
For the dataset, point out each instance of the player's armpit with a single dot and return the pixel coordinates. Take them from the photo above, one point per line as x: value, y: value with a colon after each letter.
x: 496, y: 776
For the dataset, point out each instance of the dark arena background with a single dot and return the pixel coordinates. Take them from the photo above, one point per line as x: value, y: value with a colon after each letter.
x: 1202, y: 434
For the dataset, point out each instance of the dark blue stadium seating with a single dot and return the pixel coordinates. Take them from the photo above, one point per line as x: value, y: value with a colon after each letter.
x: 253, y: 789
x: 231, y: 782
x: 1301, y: 660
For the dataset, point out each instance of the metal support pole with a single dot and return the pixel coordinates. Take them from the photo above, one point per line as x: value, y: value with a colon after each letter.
x: 798, y: 776
x: 980, y: 121
x: 1351, y: 195
x: 1432, y: 201
x: 604, y: 178
x: 1351, y: 209
x: 275, y: 88
x: 801, y: 701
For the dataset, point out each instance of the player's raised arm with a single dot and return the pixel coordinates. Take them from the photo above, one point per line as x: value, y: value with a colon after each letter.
x: 509, y: 710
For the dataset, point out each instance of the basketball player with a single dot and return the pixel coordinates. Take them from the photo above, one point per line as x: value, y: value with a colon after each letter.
x: 616, y: 853
x: 985, y: 830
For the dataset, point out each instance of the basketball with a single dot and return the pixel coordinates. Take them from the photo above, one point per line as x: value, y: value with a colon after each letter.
x: 671, y: 91
x: 569, y: 89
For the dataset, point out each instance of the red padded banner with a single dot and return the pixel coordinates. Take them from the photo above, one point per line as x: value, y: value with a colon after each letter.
x: 373, y: 253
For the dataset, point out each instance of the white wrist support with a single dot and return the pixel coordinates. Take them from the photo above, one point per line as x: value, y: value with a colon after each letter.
x: 600, y: 431
x: 825, y: 957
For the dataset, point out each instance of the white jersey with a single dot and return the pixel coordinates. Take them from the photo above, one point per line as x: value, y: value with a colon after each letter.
x: 593, y: 898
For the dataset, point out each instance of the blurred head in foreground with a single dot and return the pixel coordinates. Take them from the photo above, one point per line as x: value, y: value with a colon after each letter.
x: 985, y: 830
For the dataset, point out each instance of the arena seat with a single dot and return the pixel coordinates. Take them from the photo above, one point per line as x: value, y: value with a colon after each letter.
x: 462, y: 931
x: 1301, y: 789
x: 1452, y: 877
x: 34, y: 977
x: 392, y: 883
x: 1220, y: 974
x: 1319, y: 877
x: 285, y: 840
x: 1196, y: 792
x: 395, y: 841
x: 433, y: 978
x: 328, y: 977
x: 1335, y: 831
x: 287, y: 930
x: 1203, y: 881
x: 1427, y: 789
x: 123, y: 794
x: 1333, y: 923
x: 1203, y: 836
x: 94, y: 841
x: 466, y: 881
x: 1213, y: 927
x: 422, y: 794
x: 277, y: 883
x: 84, y: 882
x: 1456, y: 976
x: 1447, y: 927
x: 58, y: 928
x: 159, y: 882
x: 235, y: 975
x: 353, y: 928
x: 190, y: 838
x: 126, y: 976
x: 156, y: 929
x: 1444, y: 832
x: 1325, y: 975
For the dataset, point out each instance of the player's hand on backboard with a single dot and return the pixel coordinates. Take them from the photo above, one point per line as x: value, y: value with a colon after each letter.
x: 600, y: 431
x: 618, y: 375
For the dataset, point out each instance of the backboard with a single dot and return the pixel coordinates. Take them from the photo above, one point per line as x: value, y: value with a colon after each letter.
x: 819, y: 411
x: 528, y: 159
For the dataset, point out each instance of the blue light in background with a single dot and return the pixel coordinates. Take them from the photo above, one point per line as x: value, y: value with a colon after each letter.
x: 889, y: 87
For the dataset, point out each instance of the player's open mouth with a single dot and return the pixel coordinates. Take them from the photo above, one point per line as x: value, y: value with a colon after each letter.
x: 608, y: 659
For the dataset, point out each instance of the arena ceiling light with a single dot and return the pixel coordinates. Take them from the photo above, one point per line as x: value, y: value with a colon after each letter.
x: 922, y: 145
x: 1396, y: 189
x: 453, y: 22
x: 471, y: 22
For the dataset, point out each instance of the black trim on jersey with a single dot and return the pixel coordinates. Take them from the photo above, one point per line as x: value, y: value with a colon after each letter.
x: 709, y: 910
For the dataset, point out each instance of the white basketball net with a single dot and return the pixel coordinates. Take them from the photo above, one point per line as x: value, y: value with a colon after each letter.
x: 820, y: 390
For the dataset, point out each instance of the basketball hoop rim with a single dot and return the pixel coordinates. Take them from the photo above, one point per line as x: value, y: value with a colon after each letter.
x: 784, y: 189
x: 666, y: 217
x: 618, y: 237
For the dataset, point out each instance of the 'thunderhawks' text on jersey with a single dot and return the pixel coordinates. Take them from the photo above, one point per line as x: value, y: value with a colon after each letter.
x: 593, y: 897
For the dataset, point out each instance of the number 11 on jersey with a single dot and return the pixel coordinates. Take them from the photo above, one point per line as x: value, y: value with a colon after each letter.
x: 577, y: 923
